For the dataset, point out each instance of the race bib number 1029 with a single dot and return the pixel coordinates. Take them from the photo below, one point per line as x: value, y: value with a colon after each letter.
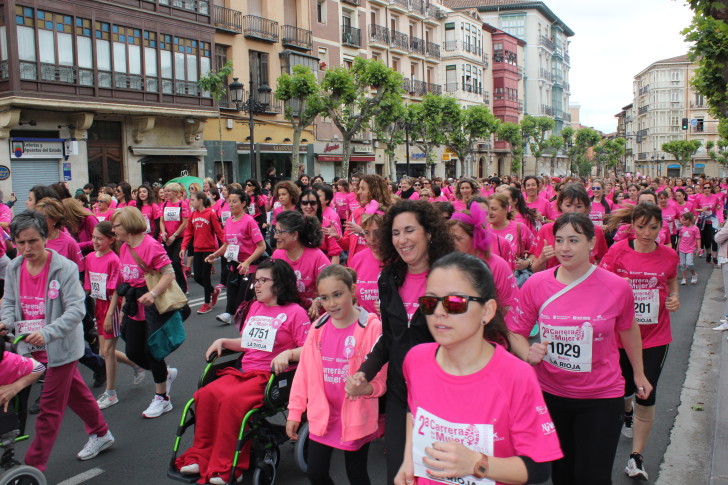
x: 569, y: 348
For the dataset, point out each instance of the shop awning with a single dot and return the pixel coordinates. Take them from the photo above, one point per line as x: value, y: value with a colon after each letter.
x: 339, y: 158
x: 173, y: 151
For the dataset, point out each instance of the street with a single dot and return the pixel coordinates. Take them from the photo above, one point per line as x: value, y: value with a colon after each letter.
x: 143, y: 447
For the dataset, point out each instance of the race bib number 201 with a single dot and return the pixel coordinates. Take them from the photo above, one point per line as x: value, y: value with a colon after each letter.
x: 646, y: 306
x: 569, y: 348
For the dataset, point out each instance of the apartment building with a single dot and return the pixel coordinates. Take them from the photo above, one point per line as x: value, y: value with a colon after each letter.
x: 102, y: 92
x: 663, y: 96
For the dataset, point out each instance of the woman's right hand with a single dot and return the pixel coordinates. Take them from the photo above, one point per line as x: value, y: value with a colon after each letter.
x: 547, y: 253
x: 292, y: 429
x: 406, y: 473
x: 3, y: 329
x: 108, y: 326
x: 537, y: 353
x: 354, y: 228
x: 216, y: 347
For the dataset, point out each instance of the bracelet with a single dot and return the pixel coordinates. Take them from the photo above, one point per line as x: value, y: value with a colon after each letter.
x: 154, y: 295
x: 674, y: 293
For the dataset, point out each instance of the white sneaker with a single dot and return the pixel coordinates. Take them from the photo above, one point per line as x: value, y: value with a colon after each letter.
x: 106, y: 400
x: 683, y: 281
x: 139, y: 375
x: 192, y: 469
x: 220, y: 481
x: 225, y: 318
x: 694, y: 279
x: 95, y: 445
x: 171, y: 376
x: 721, y: 327
x: 158, y: 406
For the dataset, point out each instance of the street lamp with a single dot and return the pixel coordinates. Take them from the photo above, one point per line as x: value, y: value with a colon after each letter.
x: 254, y: 104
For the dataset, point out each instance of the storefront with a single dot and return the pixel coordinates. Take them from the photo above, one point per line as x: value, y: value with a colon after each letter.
x: 698, y: 168
x: 270, y: 155
x: 34, y: 161
x: 330, y: 155
x: 673, y: 170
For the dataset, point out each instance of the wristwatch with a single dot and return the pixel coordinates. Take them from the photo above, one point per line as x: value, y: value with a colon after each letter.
x: 481, y: 467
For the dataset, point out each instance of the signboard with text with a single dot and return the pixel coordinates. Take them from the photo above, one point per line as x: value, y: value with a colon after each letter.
x: 25, y: 149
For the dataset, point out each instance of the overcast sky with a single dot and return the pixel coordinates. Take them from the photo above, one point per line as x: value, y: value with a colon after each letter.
x: 613, y: 41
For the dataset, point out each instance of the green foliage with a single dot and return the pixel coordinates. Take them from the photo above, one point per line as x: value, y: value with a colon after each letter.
x: 425, y: 123
x: 464, y: 126
x: 533, y: 130
x: 579, y: 152
x: 552, y: 146
x: 609, y: 152
x: 389, y: 127
x: 215, y: 82
x: 708, y: 33
x: 682, y: 150
x: 718, y: 151
x: 511, y: 133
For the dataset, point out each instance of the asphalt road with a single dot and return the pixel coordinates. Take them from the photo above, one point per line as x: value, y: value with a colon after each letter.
x: 143, y: 447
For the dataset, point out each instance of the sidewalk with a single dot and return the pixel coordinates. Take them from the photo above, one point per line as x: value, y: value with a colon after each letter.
x: 698, y: 449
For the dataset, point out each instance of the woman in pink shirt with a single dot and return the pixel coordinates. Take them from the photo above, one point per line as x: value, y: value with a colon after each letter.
x: 707, y: 205
x: 465, y: 190
x: 257, y: 208
x: 518, y: 235
x: 123, y: 196
x: 103, y: 208
x: 310, y: 205
x: 600, y: 206
x: 371, y: 187
x: 582, y: 312
x: 670, y: 217
x: 368, y: 263
x: 521, y: 212
x: 175, y: 216
x: 80, y: 223
x: 534, y: 200
x: 147, y: 204
x: 341, y: 200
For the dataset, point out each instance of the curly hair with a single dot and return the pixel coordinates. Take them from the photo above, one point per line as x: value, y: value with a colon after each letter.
x: 284, y: 281
x: 433, y: 224
x: 292, y: 189
x: 473, y: 184
x: 151, y: 196
x: 378, y: 190
x: 308, y: 228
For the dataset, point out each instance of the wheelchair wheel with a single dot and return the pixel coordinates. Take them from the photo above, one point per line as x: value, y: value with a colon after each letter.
x: 300, y: 449
x: 23, y: 475
x: 265, y: 474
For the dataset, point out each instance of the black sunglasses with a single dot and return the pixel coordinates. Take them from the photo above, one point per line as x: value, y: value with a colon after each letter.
x: 453, y: 304
x: 309, y: 202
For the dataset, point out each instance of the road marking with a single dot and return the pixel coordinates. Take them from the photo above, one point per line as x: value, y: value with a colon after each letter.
x: 83, y: 477
x: 199, y: 301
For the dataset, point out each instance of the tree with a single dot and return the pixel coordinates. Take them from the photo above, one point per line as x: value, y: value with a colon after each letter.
x: 215, y: 83
x: 352, y: 97
x: 534, y: 129
x: 718, y: 151
x: 389, y: 128
x: 708, y: 33
x: 609, y: 152
x: 464, y: 126
x: 424, y: 121
x: 553, y: 145
x: 301, y: 95
x: 511, y: 133
x: 584, y: 140
x: 682, y: 150
x: 567, y: 134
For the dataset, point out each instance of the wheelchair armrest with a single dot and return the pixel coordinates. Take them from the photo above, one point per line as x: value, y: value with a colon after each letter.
x: 225, y: 352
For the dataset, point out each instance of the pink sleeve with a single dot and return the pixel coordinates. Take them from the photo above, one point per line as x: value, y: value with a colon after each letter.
x: 14, y: 367
x: 301, y: 326
x: 157, y: 255
x: 86, y: 282
x: 113, y: 280
x: 526, y: 315
x: 185, y: 205
x: 254, y: 232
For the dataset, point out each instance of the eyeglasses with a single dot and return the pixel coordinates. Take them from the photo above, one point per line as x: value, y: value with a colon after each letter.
x: 707, y: 187
x: 596, y: 188
x: 115, y: 226
x: 427, y: 183
x: 248, y: 184
x: 262, y: 280
x: 453, y: 304
x: 309, y: 202
x: 418, y: 185
x: 278, y: 232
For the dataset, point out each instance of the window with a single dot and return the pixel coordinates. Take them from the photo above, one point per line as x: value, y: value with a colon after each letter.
x: 127, y: 57
x: 699, y: 100
x: 150, y: 61
x: 514, y: 25
x: 84, y: 52
x: 103, y: 53
x: 321, y: 11
x: 258, y: 68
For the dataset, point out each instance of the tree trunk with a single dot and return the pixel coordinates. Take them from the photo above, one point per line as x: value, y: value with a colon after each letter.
x: 219, y: 134
x: 297, y: 130
x: 346, y: 143
x: 392, y: 167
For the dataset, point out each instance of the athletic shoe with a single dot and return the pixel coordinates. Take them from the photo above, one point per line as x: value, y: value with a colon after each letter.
x: 220, y: 287
x: 106, y: 400
x: 214, y: 297
x: 95, y: 445
x: 192, y: 469
x: 627, y: 425
x: 139, y: 375
x: 171, y: 376
x: 205, y: 308
x: 723, y: 326
x: 99, y: 378
x: 708, y: 258
x: 221, y: 481
x: 683, y: 282
x: 694, y: 279
x: 701, y: 252
x: 157, y: 407
x: 636, y: 467
x: 225, y: 318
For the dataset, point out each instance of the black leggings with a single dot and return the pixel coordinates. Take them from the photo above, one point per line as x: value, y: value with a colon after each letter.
x: 707, y: 238
x: 173, y: 253
x: 395, y: 434
x: 319, y: 463
x: 135, y: 335
x: 653, y: 359
x: 202, y: 271
x: 238, y: 288
x: 588, y: 431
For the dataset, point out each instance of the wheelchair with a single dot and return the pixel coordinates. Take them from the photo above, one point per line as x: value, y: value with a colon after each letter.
x: 266, y: 436
x: 12, y: 431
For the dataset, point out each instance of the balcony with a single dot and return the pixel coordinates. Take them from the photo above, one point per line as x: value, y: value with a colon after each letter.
x: 201, y: 6
x: 406, y: 85
x: 260, y: 28
x: 418, y: 88
x: 417, y: 6
x: 642, y: 110
x: 378, y: 34
x: 292, y: 36
x: 227, y: 19
x: 432, y: 50
x: 450, y: 45
x: 434, y: 88
x: 350, y: 36
x: 548, y: 43
x: 399, y: 41
x: 465, y: 87
x: 131, y: 81
x: 353, y: 2
x: 486, y: 98
x: 54, y: 73
x: 567, y: 59
x: 417, y: 46
x: 520, y: 72
x: 546, y: 110
x: 486, y: 60
x: 520, y: 106
x: 473, y: 49
x: 401, y: 5
x: 643, y: 90
x: 544, y: 74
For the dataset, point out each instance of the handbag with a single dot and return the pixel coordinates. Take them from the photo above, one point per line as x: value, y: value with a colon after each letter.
x: 167, y: 338
x: 172, y: 299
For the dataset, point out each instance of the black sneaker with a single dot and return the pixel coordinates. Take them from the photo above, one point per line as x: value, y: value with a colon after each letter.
x: 627, y: 426
x: 636, y: 467
x: 35, y: 407
x: 99, y: 378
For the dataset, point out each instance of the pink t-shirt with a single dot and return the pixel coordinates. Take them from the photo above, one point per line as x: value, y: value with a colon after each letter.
x: 244, y: 233
x: 670, y: 215
x: 583, y: 359
x: 504, y: 410
x: 340, y: 202
x: 337, y: 346
x: 510, y: 234
x: 172, y: 215
x: 711, y: 203
x: 67, y: 247
x: 597, y: 213
x: 648, y: 275
x: 307, y: 268
x: 505, y: 283
x: 331, y: 219
x: 286, y: 326
x: 151, y: 213
x: 32, y: 291
x: 353, y: 201
x: 689, y: 236
x: 152, y: 254
x: 368, y: 269
x: 542, y: 206
x: 459, y: 205
x: 104, y: 216
x: 414, y: 286
x: 546, y: 237
x: 104, y: 272
x: 14, y: 367
x: 131, y: 203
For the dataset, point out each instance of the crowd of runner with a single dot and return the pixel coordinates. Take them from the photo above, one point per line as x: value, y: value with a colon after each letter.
x: 511, y: 328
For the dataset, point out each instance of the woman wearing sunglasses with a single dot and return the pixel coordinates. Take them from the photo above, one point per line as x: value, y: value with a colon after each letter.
x: 582, y: 312
x: 509, y: 435
x: 600, y: 207
x: 413, y: 236
x: 310, y: 205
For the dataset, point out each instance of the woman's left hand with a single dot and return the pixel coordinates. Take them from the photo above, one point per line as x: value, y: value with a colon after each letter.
x: 35, y: 339
x: 146, y: 299
x: 313, y: 312
x: 644, y: 388
x: 244, y: 268
x: 281, y: 362
x: 450, y: 459
x: 672, y: 303
x: 523, y: 263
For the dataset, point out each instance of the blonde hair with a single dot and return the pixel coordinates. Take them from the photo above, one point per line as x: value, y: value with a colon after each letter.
x: 131, y: 219
x: 175, y: 187
x: 53, y: 209
x: 104, y: 198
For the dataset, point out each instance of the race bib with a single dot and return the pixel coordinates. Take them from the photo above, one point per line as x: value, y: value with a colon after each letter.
x: 149, y: 227
x: 570, y: 348
x: 224, y: 216
x: 101, y: 218
x: 260, y: 332
x: 172, y: 214
x: 231, y: 253
x: 98, y: 285
x: 251, y: 209
x: 429, y: 428
x: 646, y: 306
x: 29, y: 326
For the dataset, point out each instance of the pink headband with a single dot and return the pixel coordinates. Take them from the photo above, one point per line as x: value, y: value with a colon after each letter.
x: 478, y: 219
x: 371, y: 208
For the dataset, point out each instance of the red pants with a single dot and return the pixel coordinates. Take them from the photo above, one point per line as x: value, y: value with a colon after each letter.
x: 219, y: 408
x: 63, y: 387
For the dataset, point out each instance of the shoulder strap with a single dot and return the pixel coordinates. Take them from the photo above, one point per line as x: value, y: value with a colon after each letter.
x: 518, y: 231
x: 567, y: 288
x: 138, y: 260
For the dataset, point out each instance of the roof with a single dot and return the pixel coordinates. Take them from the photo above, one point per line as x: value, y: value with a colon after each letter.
x: 682, y: 58
x: 499, y: 5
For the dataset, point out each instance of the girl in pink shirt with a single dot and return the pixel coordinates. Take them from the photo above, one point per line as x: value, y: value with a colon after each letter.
x: 670, y: 217
x: 341, y: 200
x: 518, y: 235
x: 465, y: 190
x: 335, y: 347
x: 147, y: 204
x: 368, y: 263
x: 708, y: 205
x: 688, y: 244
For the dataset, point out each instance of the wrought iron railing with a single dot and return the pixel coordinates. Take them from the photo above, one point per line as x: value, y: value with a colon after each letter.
x: 433, y: 50
x: 260, y: 28
x: 417, y: 45
x: 350, y: 36
x: 227, y: 19
x: 294, y: 37
x: 378, y: 33
x: 398, y: 40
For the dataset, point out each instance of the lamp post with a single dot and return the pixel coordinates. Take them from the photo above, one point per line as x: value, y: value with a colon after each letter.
x: 254, y: 104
